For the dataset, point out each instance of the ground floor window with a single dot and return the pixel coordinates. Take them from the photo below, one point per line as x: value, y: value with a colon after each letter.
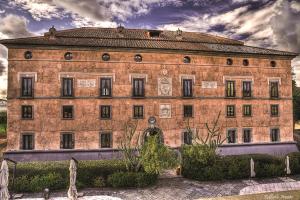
x: 27, y: 142
x: 27, y: 112
x: 105, y: 112
x: 230, y: 111
x: 67, y: 112
x: 187, y: 111
x: 67, y: 141
x: 247, y: 135
x: 275, y: 135
x: 138, y: 112
x: 106, y: 140
x: 231, y: 136
x: 187, y: 137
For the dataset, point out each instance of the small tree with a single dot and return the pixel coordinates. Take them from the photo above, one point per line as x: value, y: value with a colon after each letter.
x: 156, y: 157
x: 213, y: 139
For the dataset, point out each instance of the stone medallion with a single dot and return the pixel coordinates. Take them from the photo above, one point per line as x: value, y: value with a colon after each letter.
x: 165, y: 111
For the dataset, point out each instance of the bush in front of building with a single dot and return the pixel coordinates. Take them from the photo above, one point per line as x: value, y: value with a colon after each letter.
x: 131, y: 179
x: 36, y: 176
x: 202, y: 163
x: 295, y: 162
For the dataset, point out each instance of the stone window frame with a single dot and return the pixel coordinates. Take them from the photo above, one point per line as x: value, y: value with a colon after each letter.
x: 272, y: 80
x: 111, y: 139
x: 73, y: 112
x: 251, y: 135
x: 32, y: 112
x: 236, y: 135
x: 72, y: 137
x: 110, y: 88
x: 32, y: 75
x: 110, y: 112
x: 183, y: 135
x: 251, y: 88
x: 278, y: 110
x: 243, y: 107
x: 184, y: 109
x: 21, y: 140
x: 133, y: 112
x: 279, y: 138
x: 234, y: 110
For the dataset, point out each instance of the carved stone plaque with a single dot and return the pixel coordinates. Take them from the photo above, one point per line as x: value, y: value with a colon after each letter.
x: 209, y: 84
x: 165, y: 111
x: 86, y: 83
x: 164, y: 86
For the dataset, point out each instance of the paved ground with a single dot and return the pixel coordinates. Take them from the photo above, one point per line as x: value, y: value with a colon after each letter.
x: 181, y: 188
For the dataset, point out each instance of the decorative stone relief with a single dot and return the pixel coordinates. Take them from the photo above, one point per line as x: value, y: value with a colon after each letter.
x: 209, y: 84
x: 86, y: 83
x: 165, y: 111
x: 164, y: 86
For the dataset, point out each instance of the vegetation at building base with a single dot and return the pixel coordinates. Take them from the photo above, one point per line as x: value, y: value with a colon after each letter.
x: 3, y: 122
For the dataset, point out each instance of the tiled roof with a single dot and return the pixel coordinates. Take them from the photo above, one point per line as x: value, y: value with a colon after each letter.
x: 141, y: 39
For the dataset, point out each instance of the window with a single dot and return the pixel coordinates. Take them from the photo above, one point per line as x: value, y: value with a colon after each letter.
x: 187, y: 137
x: 245, y: 62
x: 28, y: 55
x: 246, y: 135
x: 138, y: 58
x: 27, y: 141
x: 67, y: 87
x: 187, y: 88
x: 138, y: 112
x: 138, y: 89
x: 27, y: 87
x: 105, y: 112
x: 231, y: 136
x: 27, y: 112
x: 188, y: 111
x: 230, y: 89
x: 105, y: 140
x: 105, y: 57
x: 274, y: 135
x: 154, y: 33
x: 229, y: 61
x: 105, y: 87
x: 187, y: 59
x: 67, y: 112
x: 230, y: 111
x: 247, y: 89
x: 68, y: 56
x: 247, y: 110
x: 274, y: 89
x: 67, y: 141
x: 273, y: 63
x: 274, y: 110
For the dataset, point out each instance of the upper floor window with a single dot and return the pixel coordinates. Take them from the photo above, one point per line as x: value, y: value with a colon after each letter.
x: 274, y: 110
x: 28, y: 55
x: 68, y: 56
x: 67, y: 112
x: 247, y: 110
x: 138, y: 58
x: 27, y: 141
x: 246, y: 135
x: 274, y: 91
x: 230, y: 111
x: 105, y: 112
x: 105, y: 87
x: 187, y: 59
x: 229, y: 61
x: 138, y: 112
x: 230, y: 89
x: 187, y: 137
x: 274, y: 135
x: 67, y: 141
x: 105, y: 57
x: 67, y: 87
x: 187, y: 87
x: 247, y: 89
x: 106, y: 140
x: 138, y: 89
x: 27, y: 86
x: 27, y: 112
x: 231, y: 136
x: 245, y: 62
x: 187, y: 111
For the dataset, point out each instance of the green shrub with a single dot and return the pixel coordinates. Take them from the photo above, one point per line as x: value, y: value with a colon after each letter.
x: 201, y: 163
x: 131, y: 179
x: 99, y: 182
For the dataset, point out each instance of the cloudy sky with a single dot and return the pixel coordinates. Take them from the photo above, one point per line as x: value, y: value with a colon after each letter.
x: 266, y: 23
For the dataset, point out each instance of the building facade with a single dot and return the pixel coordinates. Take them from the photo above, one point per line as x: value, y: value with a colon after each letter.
x: 75, y: 89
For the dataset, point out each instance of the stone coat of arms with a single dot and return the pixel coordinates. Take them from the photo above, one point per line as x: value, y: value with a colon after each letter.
x: 164, y: 86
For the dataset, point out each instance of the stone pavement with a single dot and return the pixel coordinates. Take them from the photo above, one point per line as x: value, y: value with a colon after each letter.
x: 182, y: 189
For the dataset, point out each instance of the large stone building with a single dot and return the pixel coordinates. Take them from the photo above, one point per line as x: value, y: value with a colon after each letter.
x: 70, y: 92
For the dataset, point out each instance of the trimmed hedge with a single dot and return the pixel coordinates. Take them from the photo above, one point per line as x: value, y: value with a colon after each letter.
x: 201, y: 163
x: 131, y: 179
x: 36, y: 176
